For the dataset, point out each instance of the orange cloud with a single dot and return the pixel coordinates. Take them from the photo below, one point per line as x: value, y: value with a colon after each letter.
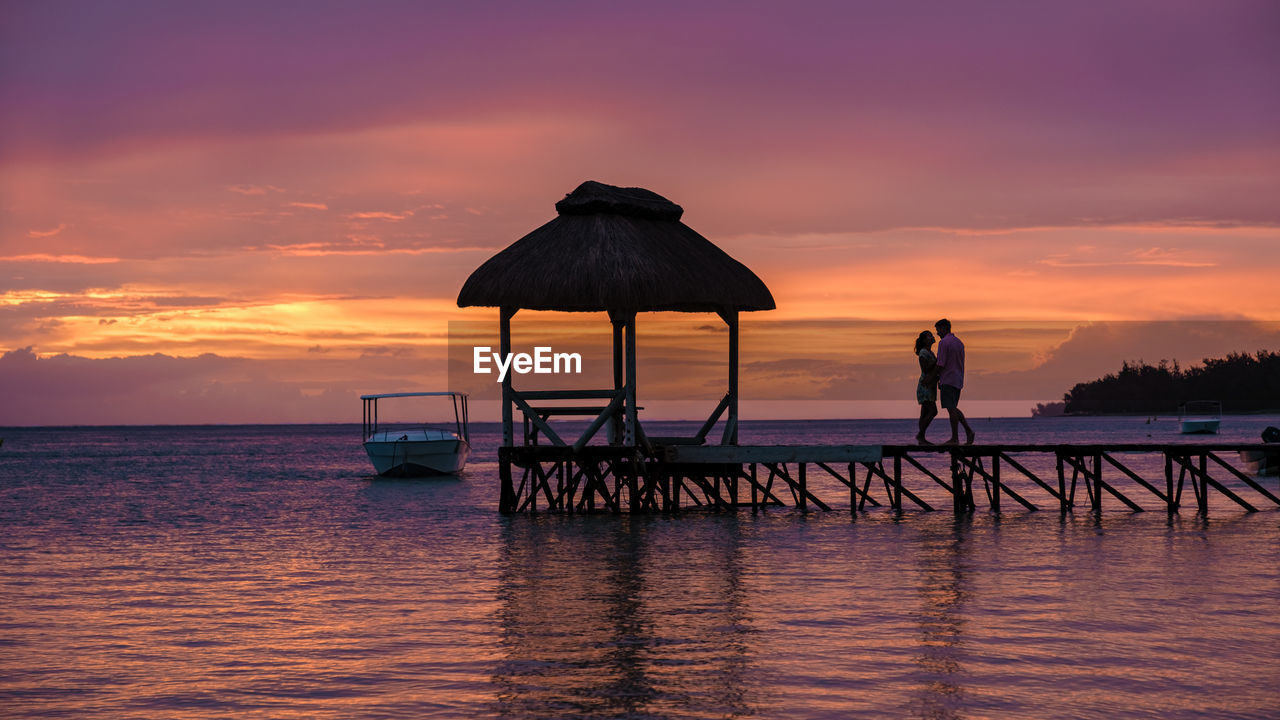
x: 138, y: 320
x: 380, y: 215
x: 254, y: 189
x: 72, y: 259
x: 46, y: 233
x: 1147, y: 256
x: 370, y: 249
x: 1114, y: 272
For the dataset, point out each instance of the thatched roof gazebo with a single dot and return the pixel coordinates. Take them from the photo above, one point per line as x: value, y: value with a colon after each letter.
x: 621, y: 251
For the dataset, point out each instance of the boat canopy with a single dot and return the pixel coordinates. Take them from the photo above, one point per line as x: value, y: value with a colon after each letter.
x: 369, y: 424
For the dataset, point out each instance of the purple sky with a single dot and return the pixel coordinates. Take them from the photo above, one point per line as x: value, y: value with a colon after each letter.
x: 276, y: 182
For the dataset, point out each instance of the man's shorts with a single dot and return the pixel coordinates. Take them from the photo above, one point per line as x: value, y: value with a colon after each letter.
x: 950, y: 396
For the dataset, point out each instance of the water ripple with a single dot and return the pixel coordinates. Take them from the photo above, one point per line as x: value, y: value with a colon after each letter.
x: 259, y: 572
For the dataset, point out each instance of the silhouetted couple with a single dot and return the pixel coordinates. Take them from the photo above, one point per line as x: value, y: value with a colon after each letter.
x: 941, y: 374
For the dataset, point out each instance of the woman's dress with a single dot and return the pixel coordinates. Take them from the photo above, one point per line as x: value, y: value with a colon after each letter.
x: 927, y: 387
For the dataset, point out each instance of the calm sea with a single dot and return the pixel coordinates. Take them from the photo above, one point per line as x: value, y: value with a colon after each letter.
x: 246, y: 572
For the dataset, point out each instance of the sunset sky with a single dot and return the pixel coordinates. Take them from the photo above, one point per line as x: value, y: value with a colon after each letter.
x: 254, y: 212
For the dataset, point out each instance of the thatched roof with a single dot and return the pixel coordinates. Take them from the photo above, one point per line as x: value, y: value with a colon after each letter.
x: 615, y: 248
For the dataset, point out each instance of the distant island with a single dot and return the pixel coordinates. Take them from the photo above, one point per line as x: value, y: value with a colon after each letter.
x: 1049, y: 409
x: 1240, y: 381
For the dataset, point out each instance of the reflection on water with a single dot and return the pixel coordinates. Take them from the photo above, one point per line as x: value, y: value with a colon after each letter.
x: 943, y: 593
x: 256, y: 572
x: 606, y: 618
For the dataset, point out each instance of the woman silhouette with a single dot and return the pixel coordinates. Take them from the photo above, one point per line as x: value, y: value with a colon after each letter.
x: 927, y: 387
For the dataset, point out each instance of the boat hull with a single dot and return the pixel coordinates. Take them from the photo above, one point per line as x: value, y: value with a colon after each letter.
x: 1261, y: 462
x: 410, y: 455
x: 1200, y: 426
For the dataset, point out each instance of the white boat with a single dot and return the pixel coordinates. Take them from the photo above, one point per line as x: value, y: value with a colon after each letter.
x: 1200, y: 417
x: 399, y: 450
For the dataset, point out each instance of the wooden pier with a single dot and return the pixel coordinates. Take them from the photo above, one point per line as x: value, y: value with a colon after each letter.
x: 1094, y: 477
x: 623, y: 252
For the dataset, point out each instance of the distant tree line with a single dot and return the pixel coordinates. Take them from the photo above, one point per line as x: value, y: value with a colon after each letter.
x: 1242, y: 382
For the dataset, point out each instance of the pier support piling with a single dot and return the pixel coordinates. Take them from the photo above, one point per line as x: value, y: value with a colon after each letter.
x: 565, y: 478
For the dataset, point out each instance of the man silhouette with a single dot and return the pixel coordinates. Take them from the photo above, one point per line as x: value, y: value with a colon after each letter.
x: 951, y: 380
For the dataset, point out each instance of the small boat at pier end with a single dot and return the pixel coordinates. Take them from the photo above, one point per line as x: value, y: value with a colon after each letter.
x: 1202, y: 417
x: 1261, y: 462
x: 1264, y: 462
x: 411, y: 450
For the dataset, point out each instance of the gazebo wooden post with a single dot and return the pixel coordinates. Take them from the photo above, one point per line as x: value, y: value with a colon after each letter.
x: 617, y: 321
x: 629, y: 434
x: 730, y: 318
x: 504, y: 347
x: 733, y: 378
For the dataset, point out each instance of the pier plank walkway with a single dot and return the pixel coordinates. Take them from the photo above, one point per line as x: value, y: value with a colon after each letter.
x: 670, y: 478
